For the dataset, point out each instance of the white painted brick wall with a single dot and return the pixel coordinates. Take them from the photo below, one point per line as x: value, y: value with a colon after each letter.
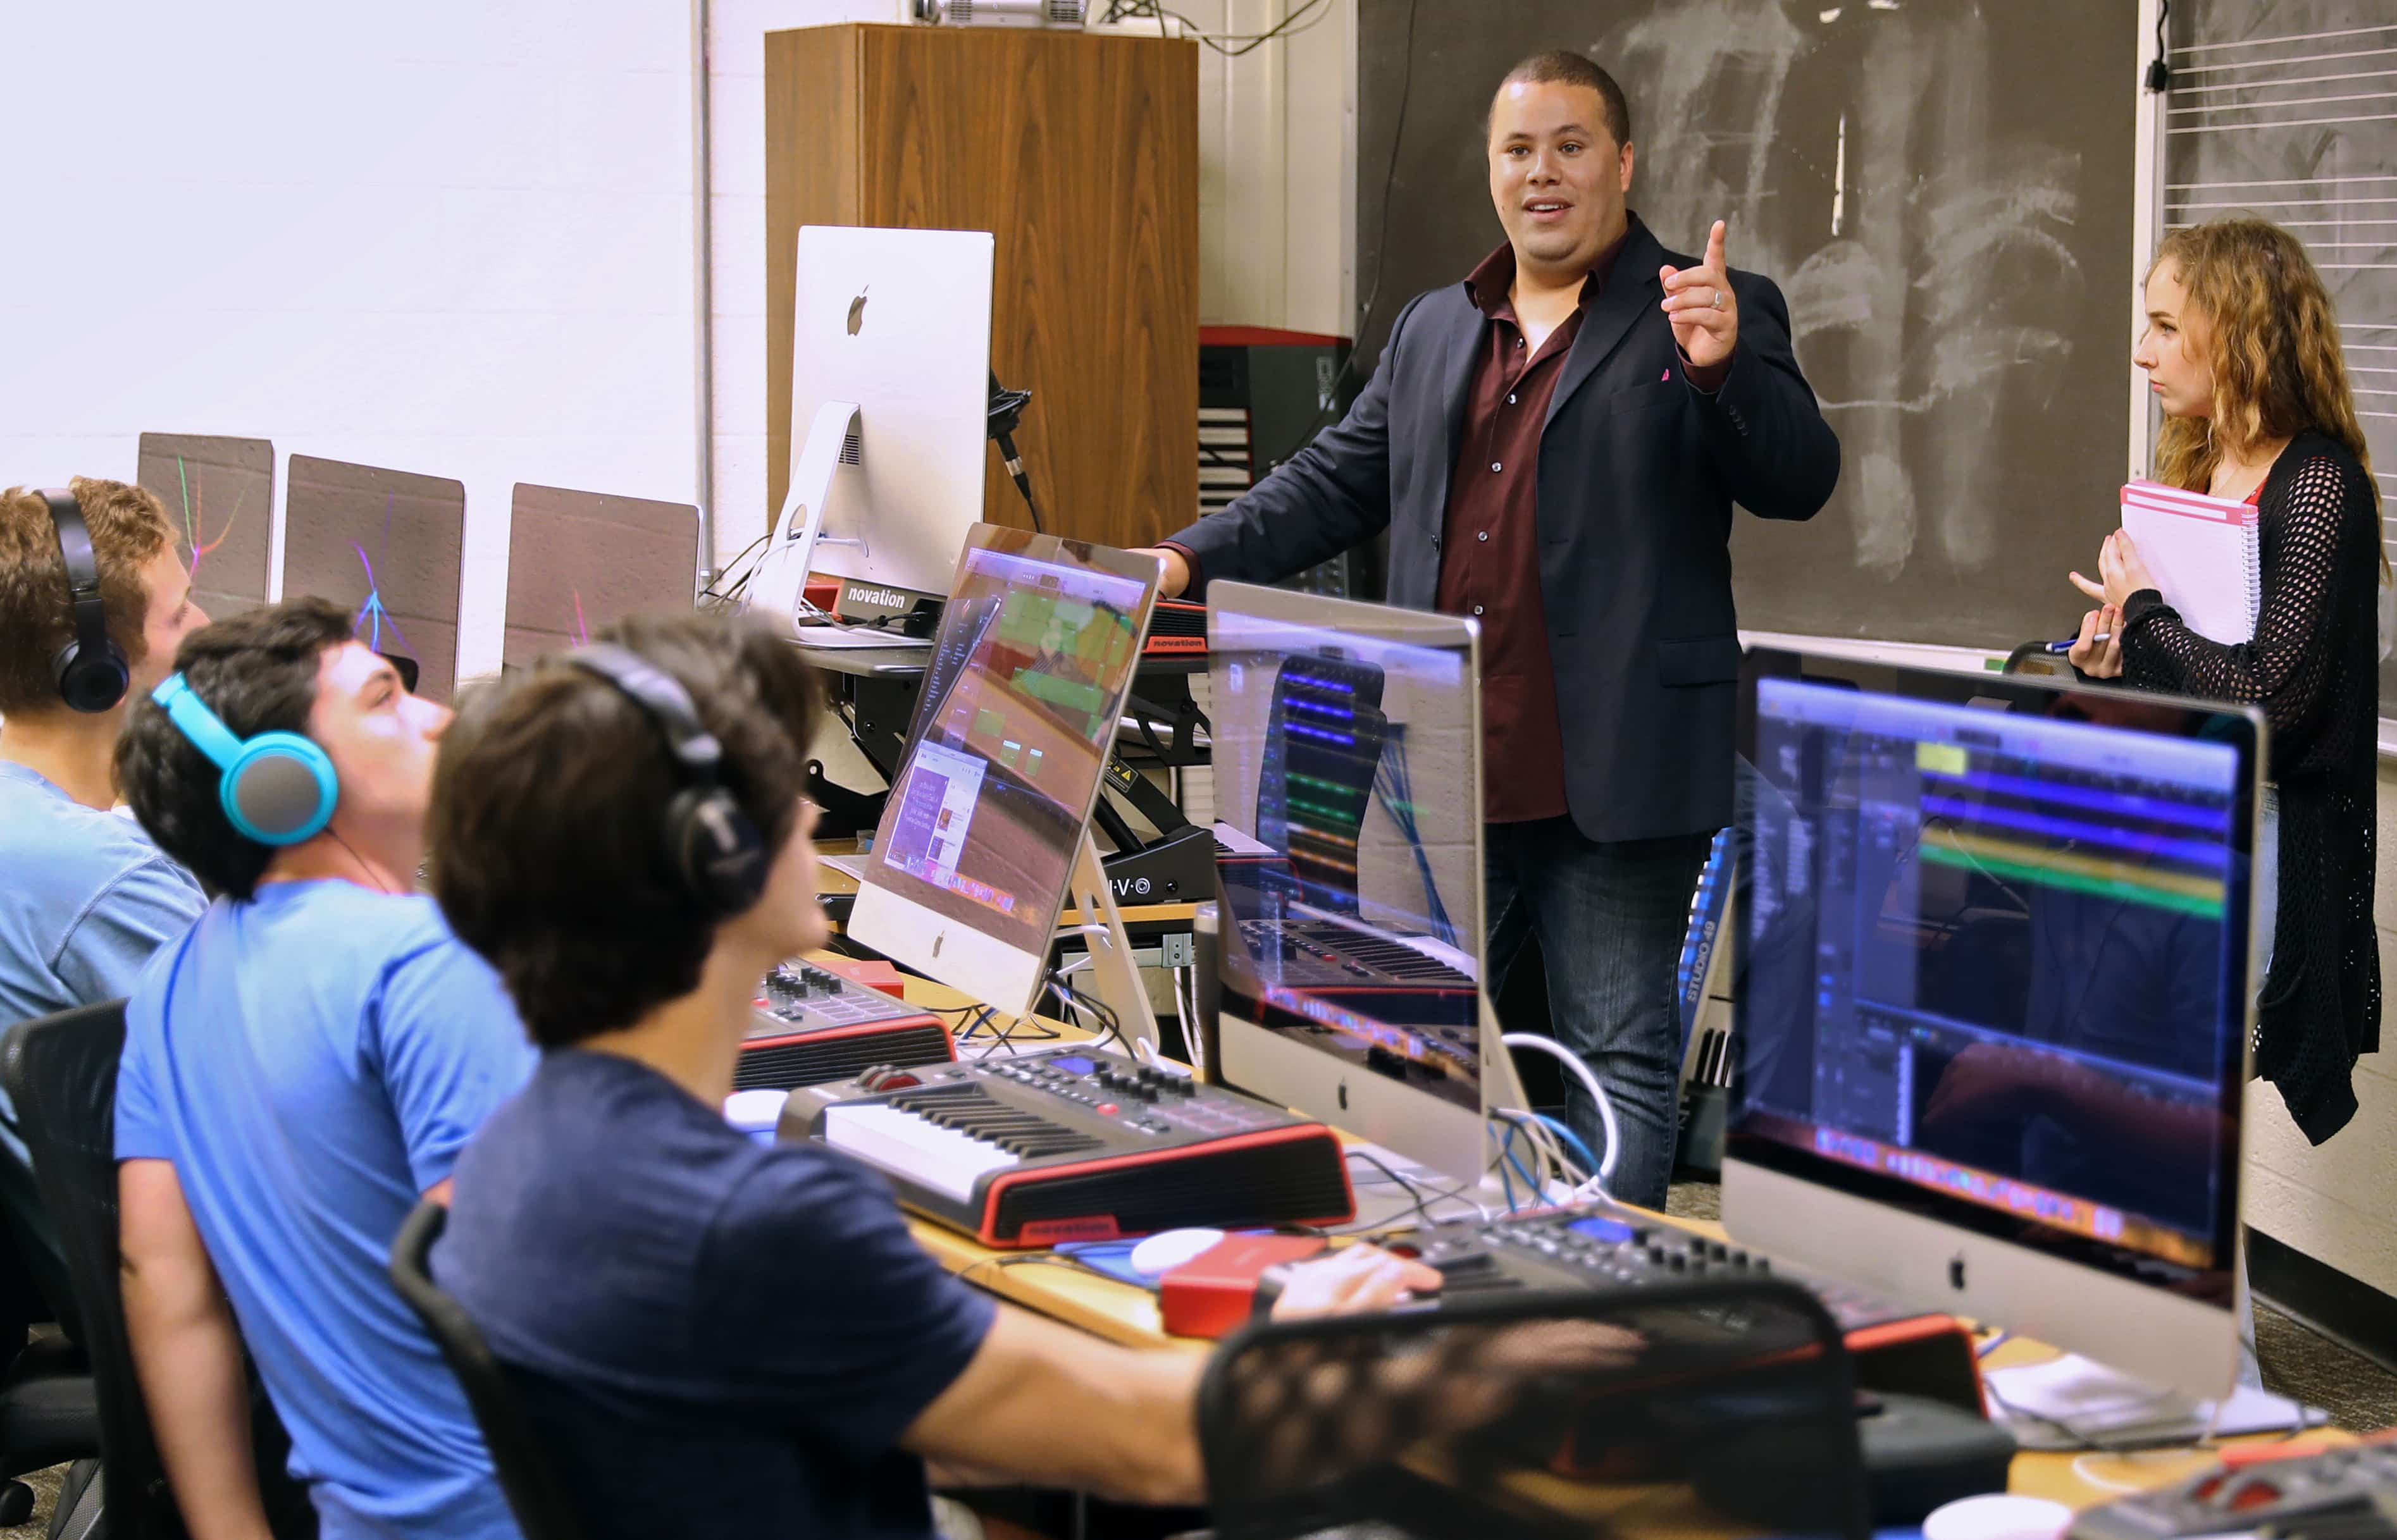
x: 449, y: 237
x: 736, y: 76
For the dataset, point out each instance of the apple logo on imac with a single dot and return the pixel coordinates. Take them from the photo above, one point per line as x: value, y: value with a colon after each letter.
x: 857, y: 311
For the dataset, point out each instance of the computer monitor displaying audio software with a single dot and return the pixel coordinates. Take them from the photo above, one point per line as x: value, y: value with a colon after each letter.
x: 1013, y: 724
x: 1346, y: 744
x: 1997, y: 1001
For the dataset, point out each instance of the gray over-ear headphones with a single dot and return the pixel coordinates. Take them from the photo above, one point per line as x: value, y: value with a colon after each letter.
x: 712, y: 846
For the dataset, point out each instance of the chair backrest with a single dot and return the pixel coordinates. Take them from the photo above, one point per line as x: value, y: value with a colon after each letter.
x: 534, y: 1494
x: 60, y: 1072
x: 1711, y: 1405
x: 32, y: 1241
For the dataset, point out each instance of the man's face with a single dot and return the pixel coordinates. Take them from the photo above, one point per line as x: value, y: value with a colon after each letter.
x: 1555, y: 174
x: 380, y: 738
x: 170, y: 617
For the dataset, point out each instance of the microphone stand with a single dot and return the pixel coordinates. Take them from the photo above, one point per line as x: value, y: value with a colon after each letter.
x: 1005, y: 413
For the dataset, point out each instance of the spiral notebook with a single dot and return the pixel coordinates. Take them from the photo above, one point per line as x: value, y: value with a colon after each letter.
x: 2205, y: 554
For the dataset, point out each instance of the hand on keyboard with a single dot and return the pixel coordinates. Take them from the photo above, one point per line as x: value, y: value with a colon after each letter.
x: 1350, y: 1281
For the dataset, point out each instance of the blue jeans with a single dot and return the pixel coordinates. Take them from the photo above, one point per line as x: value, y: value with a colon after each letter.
x: 1610, y: 918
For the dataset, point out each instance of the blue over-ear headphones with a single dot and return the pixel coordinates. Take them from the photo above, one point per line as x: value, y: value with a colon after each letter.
x: 278, y: 787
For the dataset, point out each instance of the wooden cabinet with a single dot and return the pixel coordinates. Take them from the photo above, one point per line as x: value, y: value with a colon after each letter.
x: 1080, y: 155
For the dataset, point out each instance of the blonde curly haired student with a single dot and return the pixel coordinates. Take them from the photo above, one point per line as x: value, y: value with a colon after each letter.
x: 2241, y: 351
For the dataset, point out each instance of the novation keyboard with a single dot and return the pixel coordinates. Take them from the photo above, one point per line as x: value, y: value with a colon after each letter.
x: 1177, y: 628
x: 1600, y: 1246
x: 1077, y: 1144
x: 809, y: 1025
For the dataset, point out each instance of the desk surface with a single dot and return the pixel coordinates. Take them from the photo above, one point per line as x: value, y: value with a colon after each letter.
x: 1124, y: 1314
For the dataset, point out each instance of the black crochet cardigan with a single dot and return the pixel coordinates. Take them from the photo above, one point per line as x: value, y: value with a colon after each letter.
x: 2312, y: 669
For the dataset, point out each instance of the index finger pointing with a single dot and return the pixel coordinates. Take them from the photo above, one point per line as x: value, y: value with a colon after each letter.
x: 1715, y: 247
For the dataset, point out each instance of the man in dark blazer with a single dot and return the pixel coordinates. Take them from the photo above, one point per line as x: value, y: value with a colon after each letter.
x: 1555, y: 446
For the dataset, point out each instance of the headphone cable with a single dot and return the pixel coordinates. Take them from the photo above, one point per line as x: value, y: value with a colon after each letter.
x: 359, y: 859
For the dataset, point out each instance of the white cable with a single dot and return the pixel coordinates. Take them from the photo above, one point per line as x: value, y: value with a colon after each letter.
x: 1572, y: 1061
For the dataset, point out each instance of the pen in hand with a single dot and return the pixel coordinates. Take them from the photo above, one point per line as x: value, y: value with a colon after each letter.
x: 2071, y: 642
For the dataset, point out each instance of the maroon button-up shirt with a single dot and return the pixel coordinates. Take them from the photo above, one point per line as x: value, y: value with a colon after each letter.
x: 1489, y: 545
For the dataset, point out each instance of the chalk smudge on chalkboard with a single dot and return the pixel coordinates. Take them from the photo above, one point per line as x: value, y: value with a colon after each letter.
x: 1938, y: 219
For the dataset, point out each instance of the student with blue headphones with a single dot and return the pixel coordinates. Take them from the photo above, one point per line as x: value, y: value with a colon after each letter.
x: 299, y: 1070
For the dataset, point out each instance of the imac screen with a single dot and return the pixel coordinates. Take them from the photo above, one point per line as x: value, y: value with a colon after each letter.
x: 1997, y: 957
x: 1345, y: 767
x: 1016, y: 718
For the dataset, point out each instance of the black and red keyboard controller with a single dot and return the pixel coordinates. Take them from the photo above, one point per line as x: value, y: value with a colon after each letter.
x: 1077, y: 1144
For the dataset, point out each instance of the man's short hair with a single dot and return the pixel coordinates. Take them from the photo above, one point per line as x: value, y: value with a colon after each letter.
x: 547, y: 839
x: 1562, y: 66
x: 128, y: 527
x: 257, y: 671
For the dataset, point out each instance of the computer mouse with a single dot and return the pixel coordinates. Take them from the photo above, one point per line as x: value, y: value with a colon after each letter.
x: 1170, y: 1248
x: 1996, y: 1516
x: 755, y: 1111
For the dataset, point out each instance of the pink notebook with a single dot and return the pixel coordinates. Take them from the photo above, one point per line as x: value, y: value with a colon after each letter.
x: 2204, y: 554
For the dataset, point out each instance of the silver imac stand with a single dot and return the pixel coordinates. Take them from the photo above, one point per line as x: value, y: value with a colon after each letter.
x: 1116, y: 977
x: 779, y: 589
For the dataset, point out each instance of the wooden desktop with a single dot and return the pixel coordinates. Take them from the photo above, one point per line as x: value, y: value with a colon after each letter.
x: 1122, y: 1313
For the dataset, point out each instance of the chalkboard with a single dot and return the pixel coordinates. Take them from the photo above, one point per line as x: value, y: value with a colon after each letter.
x: 2287, y: 110
x: 1943, y: 190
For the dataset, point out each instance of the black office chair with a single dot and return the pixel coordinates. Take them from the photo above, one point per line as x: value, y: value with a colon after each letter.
x: 1541, y: 1413
x: 61, y: 1071
x: 49, y: 1408
x: 533, y: 1492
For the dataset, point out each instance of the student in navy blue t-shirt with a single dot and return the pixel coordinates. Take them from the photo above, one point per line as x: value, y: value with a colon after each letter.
x: 711, y: 1335
x: 298, y: 1069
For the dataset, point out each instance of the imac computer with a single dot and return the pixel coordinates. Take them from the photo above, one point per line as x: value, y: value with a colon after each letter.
x: 890, y: 423
x: 984, y: 834
x: 391, y: 546
x: 578, y: 561
x: 1993, y: 1036
x: 1348, y: 748
x: 220, y: 498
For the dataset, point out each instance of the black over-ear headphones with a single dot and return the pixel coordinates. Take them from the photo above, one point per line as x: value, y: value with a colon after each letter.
x: 711, y: 845
x: 90, y: 670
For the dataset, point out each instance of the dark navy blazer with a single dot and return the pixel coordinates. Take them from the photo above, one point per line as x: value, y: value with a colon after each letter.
x: 1638, y: 470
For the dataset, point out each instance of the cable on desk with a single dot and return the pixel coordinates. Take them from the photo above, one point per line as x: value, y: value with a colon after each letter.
x: 1420, y: 1208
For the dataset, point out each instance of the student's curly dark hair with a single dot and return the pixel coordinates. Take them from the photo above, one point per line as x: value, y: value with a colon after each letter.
x: 548, y: 849
x: 257, y: 671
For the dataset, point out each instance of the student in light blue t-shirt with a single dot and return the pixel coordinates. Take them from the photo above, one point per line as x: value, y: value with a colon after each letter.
x: 299, y: 1070
x: 85, y: 896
